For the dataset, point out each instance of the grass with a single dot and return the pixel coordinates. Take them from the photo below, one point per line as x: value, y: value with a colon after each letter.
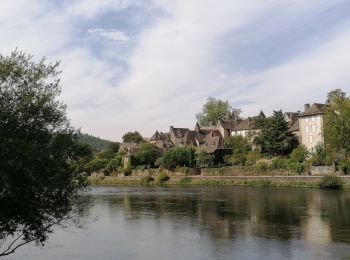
x: 331, y: 182
x: 326, y: 182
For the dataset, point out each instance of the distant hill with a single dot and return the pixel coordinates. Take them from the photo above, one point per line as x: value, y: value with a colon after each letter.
x: 96, y: 143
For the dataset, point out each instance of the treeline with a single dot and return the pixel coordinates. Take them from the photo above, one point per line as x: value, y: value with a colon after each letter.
x: 96, y: 143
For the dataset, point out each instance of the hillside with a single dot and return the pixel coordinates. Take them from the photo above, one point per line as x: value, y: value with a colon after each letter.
x: 96, y: 143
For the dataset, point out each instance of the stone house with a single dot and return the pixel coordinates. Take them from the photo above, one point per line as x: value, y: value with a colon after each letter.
x: 311, y: 126
x: 292, y: 118
x: 245, y: 126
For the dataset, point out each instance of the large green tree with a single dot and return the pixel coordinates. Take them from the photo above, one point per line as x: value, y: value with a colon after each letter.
x: 272, y: 135
x: 214, y: 110
x: 147, y: 154
x: 132, y: 137
x: 337, y: 124
x: 179, y: 157
x: 39, y: 156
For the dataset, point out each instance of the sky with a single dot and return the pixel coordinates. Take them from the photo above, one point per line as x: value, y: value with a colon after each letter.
x: 147, y: 65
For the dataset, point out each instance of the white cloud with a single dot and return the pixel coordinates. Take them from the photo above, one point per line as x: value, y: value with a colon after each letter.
x: 115, y: 35
x: 173, y: 67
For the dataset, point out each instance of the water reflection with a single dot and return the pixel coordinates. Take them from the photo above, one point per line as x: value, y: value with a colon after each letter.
x: 281, y: 214
x: 209, y: 223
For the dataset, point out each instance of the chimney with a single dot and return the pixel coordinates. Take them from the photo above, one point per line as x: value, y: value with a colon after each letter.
x: 306, y: 106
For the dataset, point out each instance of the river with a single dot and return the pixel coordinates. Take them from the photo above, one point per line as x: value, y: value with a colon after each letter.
x: 204, y: 223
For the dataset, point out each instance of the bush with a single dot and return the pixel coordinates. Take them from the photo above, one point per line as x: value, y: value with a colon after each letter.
x: 178, y: 156
x: 262, y: 167
x: 344, y: 167
x: 297, y: 167
x: 113, y: 165
x: 96, y: 164
x: 185, y: 181
x: 279, y: 164
x: 146, y: 180
x: 331, y: 182
x: 299, y: 154
x: 162, y: 178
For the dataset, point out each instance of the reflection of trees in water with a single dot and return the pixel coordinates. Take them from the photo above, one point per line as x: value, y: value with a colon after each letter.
x: 20, y: 229
x: 335, y: 210
x: 269, y: 213
x: 281, y: 214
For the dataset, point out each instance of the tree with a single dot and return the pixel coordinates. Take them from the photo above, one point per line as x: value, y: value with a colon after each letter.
x: 132, y: 137
x: 178, y: 157
x: 39, y: 154
x: 214, y: 110
x: 240, y: 148
x: 299, y: 154
x: 205, y: 159
x: 272, y: 135
x: 337, y: 124
x: 147, y: 154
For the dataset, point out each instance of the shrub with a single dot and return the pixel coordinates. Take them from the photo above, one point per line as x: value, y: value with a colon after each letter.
x: 299, y: 154
x: 146, y: 180
x: 297, y: 167
x: 185, y: 181
x: 178, y: 156
x: 344, y: 167
x: 331, y: 182
x: 96, y: 164
x: 113, y: 165
x: 279, y: 164
x: 127, y: 170
x: 262, y: 167
x: 162, y: 178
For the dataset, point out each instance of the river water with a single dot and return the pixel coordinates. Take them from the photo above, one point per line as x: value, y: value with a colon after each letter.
x: 204, y: 223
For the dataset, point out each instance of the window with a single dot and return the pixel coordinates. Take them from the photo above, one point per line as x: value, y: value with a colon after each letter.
x: 313, y: 119
x: 311, y: 139
x: 307, y: 129
x: 306, y: 120
x: 314, y: 129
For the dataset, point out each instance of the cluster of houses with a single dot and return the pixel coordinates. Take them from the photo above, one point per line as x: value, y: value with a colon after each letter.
x: 307, y: 127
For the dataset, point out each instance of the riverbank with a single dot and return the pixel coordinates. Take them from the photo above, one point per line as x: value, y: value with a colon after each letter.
x: 252, y: 181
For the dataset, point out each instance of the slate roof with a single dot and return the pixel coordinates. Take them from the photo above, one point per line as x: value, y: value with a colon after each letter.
x: 314, y: 109
x: 246, y: 124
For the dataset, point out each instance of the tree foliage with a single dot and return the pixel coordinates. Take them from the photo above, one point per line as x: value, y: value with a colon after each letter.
x: 147, y: 154
x: 96, y: 143
x: 214, y: 110
x: 179, y: 157
x: 272, y: 135
x: 132, y: 137
x: 39, y: 155
x: 337, y: 125
x: 299, y: 154
x: 240, y: 149
x: 204, y: 159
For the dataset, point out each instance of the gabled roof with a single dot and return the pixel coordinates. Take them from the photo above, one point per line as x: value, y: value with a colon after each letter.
x: 246, y: 124
x: 314, y: 109
x: 229, y: 124
x: 294, y: 126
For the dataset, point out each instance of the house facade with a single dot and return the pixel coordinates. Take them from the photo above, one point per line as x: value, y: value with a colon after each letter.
x: 311, y: 126
x: 245, y: 126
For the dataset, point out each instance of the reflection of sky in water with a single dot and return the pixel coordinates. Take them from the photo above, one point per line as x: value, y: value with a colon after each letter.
x: 206, y: 223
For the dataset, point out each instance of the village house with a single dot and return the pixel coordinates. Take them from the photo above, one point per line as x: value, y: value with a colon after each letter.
x: 245, y: 126
x: 292, y: 118
x: 311, y: 126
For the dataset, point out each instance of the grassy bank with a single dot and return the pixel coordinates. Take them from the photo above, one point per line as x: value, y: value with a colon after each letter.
x: 205, y: 181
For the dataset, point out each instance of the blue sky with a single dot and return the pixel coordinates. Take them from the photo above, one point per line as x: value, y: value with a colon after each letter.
x: 148, y: 64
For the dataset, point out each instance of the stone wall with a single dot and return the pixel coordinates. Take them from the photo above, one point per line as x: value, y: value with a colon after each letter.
x: 322, y: 170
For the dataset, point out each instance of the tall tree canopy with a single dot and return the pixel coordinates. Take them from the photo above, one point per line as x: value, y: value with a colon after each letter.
x: 132, y: 137
x: 39, y: 155
x: 272, y: 135
x: 337, y: 124
x: 216, y: 109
